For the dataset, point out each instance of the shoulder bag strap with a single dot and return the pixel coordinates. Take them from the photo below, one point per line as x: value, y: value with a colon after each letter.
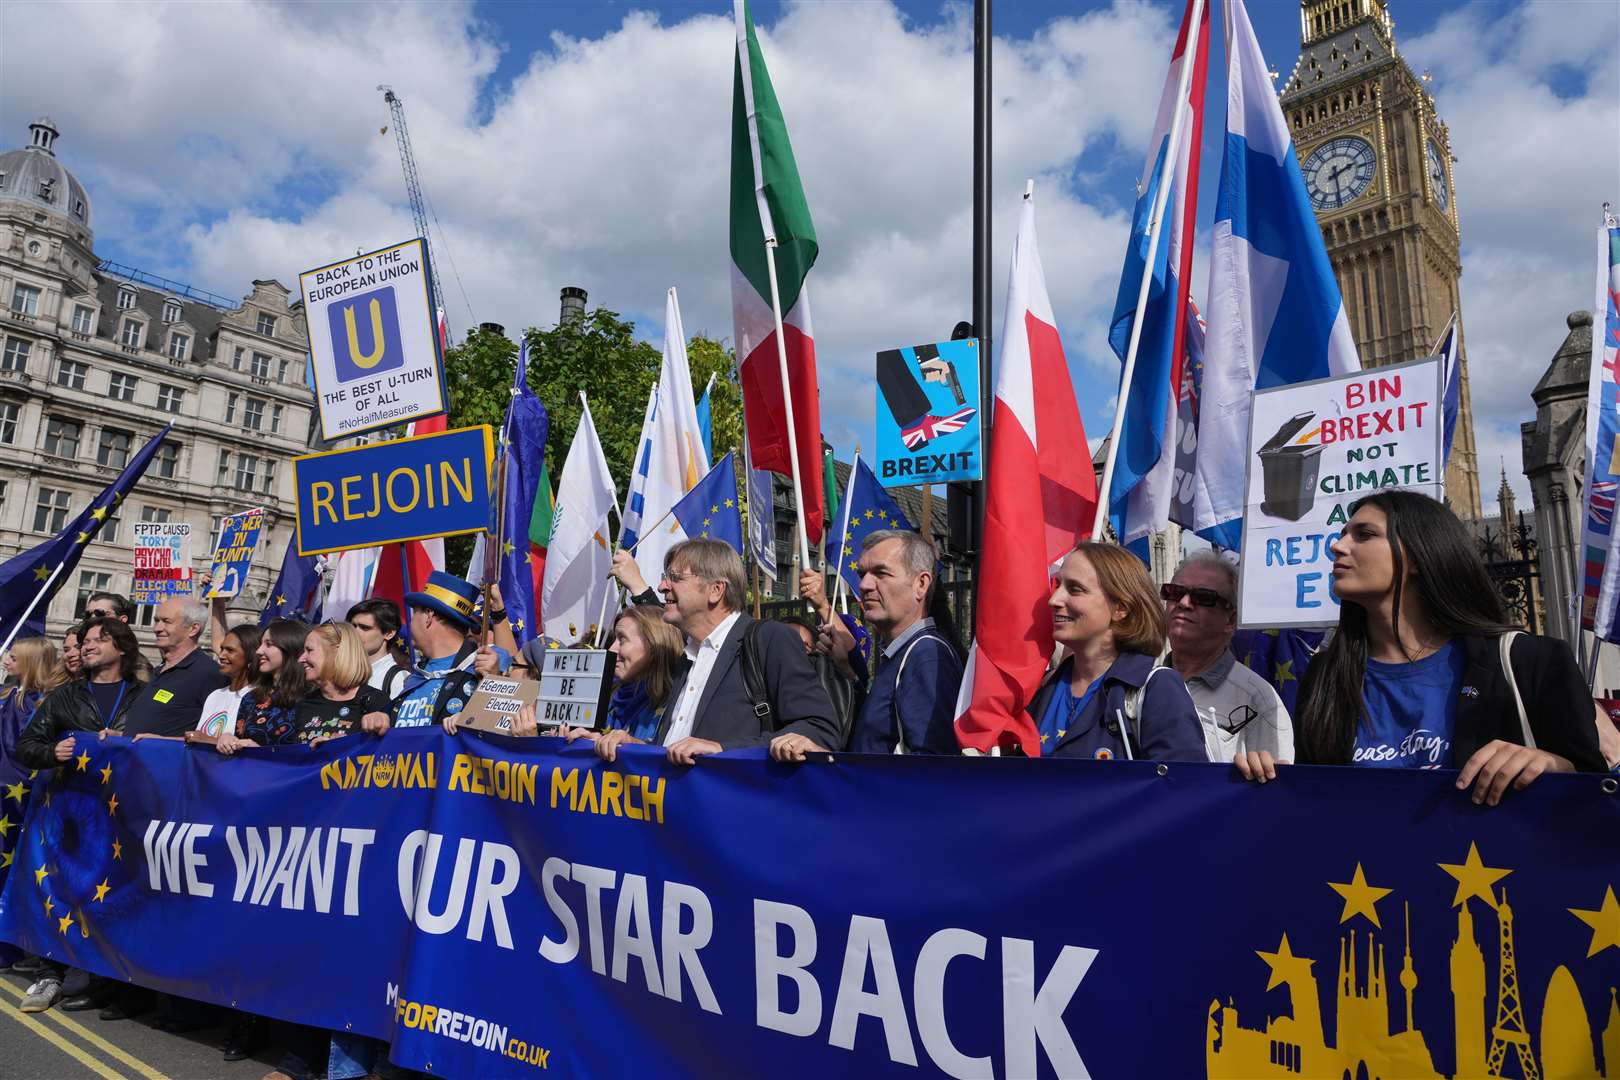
x: 1505, y: 647
x: 900, y: 746
x: 753, y: 673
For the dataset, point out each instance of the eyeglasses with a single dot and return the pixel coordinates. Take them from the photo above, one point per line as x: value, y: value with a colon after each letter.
x: 1172, y: 594
x: 98, y: 613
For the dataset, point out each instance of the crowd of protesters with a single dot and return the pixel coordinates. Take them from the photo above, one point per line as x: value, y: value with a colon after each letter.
x: 1423, y: 671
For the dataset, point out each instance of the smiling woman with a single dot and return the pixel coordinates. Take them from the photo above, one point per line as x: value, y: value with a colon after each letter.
x: 1424, y: 671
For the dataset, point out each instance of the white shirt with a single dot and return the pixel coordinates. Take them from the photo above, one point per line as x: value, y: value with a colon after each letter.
x: 703, y: 655
x: 1240, y: 711
x: 219, y: 711
x: 380, y: 668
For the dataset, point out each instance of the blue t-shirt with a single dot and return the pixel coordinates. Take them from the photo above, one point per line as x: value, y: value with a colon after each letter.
x: 415, y: 708
x: 1410, y: 711
x: 1062, y: 710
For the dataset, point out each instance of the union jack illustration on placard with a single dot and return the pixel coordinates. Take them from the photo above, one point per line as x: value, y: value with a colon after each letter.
x: 930, y: 428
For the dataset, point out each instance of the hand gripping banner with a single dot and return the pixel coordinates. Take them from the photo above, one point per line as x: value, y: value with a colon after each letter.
x: 502, y: 907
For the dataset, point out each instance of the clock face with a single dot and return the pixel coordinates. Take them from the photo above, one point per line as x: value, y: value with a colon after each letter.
x: 1338, y: 171
x: 1435, y: 164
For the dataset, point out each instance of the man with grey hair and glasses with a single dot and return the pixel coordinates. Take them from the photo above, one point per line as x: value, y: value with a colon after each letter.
x: 173, y: 697
x: 747, y: 683
x: 1240, y: 712
x: 910, y: 703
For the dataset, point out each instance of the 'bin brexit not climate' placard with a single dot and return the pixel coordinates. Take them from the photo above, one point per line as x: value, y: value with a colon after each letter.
x: 1314, y: 449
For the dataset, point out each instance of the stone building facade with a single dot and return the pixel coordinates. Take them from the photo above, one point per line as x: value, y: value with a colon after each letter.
x: 98, y: 358
x: 1554, y: 449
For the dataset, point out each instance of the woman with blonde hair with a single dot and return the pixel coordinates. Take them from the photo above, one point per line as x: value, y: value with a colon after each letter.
x: 1110, y: 698
x: 32, y: 671
x: 335, y: 662
x: 647, y: 657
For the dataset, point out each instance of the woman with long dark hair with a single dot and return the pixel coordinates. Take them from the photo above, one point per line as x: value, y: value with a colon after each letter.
x: 1422, y: 672
x: 269, y: 714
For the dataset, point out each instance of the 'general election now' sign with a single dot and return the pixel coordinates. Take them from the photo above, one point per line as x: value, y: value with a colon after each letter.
x: 373, y: 340
x: 1314, y: 449
x: 407, y: 489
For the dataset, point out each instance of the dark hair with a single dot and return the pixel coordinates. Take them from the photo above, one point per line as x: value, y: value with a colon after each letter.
x: 123, y: 639
x: 121, y: 606
x: 1453, y: 589
x: 289, y: 685
x: 247, y: 639
x: 385, y: 613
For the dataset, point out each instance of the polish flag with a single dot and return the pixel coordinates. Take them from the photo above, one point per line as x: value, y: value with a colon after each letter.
x: 1040, y: 470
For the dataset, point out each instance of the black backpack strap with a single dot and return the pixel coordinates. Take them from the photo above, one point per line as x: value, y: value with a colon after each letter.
x: 753, y: 673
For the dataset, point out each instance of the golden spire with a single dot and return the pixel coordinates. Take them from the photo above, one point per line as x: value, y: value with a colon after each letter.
x: 1409, y: 979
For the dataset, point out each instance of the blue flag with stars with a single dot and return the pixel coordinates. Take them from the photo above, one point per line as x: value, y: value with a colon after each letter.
x: 523, y: 441
x: 297, y: 591
x: 25, y: 574
x: 867, y: 508
x: 1278, y: 656
x: 710, y: 510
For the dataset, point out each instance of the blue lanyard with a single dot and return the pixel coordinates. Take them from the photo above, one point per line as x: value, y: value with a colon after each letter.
x: 123, y: 685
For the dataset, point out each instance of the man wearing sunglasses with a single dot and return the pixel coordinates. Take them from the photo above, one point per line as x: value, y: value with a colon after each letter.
x: 1239, y: 711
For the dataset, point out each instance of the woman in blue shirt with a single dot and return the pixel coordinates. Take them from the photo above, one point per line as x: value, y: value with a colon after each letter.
x: 1415, y: 677
x: 1109, y: 698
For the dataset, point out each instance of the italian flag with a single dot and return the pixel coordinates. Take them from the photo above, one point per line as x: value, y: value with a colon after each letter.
x: 767, y: 201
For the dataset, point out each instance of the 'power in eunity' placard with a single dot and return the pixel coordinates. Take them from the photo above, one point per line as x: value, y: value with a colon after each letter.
x: 374, y: 341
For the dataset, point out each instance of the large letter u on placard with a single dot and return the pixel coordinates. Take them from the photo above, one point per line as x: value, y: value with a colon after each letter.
x: 365, y: 360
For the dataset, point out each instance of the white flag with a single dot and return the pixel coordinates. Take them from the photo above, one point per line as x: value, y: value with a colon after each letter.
x: 677, y: 460
x: 580, y: 557
x: 351, y: 581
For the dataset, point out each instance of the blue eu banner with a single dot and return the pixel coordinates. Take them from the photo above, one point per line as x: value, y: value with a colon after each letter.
x: 492, y: 906
x: 365, y: 334
x: 405, y: 489
x: 928, y: 413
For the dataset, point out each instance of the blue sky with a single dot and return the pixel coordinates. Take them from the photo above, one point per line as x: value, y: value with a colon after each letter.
x: 584, y: 143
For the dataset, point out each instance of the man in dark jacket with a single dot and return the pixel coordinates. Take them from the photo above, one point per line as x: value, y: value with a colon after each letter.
x: 99, y: 701
x: 710, y: 707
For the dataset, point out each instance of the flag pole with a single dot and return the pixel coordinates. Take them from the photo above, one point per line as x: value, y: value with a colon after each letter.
x: 787, y: 404
x: 618, y: 510
x: 22, y: 620
x: 1155, y: 234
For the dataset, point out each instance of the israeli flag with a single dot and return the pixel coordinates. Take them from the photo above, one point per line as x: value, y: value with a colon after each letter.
x: 1274, y: 313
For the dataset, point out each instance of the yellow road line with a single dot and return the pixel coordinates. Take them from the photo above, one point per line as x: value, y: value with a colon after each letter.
x: 117, y: 1053
x: 95, y: 1066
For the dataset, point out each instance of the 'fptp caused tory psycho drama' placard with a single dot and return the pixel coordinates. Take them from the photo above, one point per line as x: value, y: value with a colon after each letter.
x: 1314, y: 449
x: 373, y: 340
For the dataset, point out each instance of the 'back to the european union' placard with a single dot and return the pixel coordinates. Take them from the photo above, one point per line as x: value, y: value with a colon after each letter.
x: 408, y: 489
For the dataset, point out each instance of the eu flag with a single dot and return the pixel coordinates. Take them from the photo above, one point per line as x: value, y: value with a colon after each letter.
x: 523, y: 441
x: 1280, y: 657
x: 710, y: 509
x: 867, y: 508
x: 29, y: 579
x: 297, y: 591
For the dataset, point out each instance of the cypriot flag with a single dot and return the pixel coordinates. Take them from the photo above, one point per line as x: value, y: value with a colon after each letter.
x: 580, y: 556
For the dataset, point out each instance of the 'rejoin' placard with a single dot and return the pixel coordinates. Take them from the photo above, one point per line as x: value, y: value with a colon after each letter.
x: 407, y: 489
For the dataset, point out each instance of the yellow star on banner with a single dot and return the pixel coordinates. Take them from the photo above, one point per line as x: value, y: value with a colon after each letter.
x: 118, y: 849
x: 102, y: 890
x: 1360, y: 898
x: 1284, y: 964
x: 40, y: 875
x: 1474, y: 878
x: 5, y: 860
x: 281, y: 601
x: 112, y: 805
x: 83, y: 759
x: 50, y: 905
x: 715, y: 509
x: 106, y: 774
x: 855, y: 566
x: 517, y: 624
x: 1605, y: 923
x: 64, y: 922
x: 1283, y: 673
x: 41, y: 574
x: 731, y: 503
x: 507, y: 548
x: 869, y: 515
x: 5, y: 825
x: 99, y: 513
x: 706, y: 522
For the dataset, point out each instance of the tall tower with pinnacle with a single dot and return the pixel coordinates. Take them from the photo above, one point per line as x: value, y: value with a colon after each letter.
x: 1510, y: 1028
x: 1506, y: 504
x: 1409, y: 979
x: 1377, y: 163
x: 1468, y: 998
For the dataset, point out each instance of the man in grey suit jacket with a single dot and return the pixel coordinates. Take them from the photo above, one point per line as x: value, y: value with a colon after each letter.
x: 709, y: 709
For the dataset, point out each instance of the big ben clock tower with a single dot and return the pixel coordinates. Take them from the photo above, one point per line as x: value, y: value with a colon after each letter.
x: 1377, y: 163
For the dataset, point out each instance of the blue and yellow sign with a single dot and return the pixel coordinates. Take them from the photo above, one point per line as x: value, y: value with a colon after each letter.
x: 378, y: 312
x: 928, y: 413
x: 407, y: 489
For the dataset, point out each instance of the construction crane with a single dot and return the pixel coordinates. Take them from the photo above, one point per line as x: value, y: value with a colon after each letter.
x: 413, y: 189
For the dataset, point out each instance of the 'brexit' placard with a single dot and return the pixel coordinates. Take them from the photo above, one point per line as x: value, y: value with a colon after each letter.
x: 407, y: 489
x: 373, y: 341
